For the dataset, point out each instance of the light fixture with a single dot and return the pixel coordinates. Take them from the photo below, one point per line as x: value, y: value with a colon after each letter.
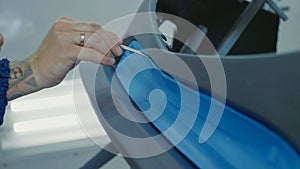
x: 48, y: 118
x: 42, y: 103
x: 46, y: 124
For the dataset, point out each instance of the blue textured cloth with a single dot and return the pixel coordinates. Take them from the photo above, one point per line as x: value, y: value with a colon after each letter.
x: 4, y: 76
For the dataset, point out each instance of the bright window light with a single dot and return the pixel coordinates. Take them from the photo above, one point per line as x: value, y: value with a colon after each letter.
x: 45, y: 124
x: 42, y: 103
x: 39, y: 122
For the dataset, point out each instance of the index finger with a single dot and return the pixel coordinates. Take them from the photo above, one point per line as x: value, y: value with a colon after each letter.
x: 112, y: 41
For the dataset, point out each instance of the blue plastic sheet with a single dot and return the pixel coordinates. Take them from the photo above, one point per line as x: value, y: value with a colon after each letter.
x: 238, y: 142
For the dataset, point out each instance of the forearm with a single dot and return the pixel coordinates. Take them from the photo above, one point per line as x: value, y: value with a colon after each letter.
x: 22, y: 80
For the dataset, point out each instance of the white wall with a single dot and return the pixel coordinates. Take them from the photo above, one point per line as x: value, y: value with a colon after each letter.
x: 289, y: 33
x: 25, y: 23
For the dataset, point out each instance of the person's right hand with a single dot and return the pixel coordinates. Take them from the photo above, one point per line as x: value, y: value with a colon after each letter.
x: 61, y: 49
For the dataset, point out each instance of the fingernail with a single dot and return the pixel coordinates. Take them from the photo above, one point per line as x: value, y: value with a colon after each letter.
x: 119, y: 51
x: 112, y: 61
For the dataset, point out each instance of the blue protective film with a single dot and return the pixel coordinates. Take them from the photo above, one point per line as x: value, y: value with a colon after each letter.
x: 238, y: 142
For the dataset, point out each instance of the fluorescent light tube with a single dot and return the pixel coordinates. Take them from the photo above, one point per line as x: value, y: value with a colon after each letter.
x: 46, y: 124
x: 42, y: 103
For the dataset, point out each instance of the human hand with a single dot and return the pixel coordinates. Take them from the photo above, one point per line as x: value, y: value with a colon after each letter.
x: 61, y: 50
x: 1, y: 40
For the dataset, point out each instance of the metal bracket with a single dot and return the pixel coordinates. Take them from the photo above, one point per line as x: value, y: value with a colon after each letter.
x: 243, y: 21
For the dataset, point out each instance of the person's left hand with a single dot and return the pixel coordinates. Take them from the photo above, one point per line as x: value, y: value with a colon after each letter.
x: 61, y: 49
x: 1, y: 40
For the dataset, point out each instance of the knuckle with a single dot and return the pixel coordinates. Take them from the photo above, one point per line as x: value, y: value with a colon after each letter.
x: 95, y: 26
x: 61, y: 36
x: 58, y: 24
x: 63, y: 18
x: 112, y: 35
x: 114, y: 38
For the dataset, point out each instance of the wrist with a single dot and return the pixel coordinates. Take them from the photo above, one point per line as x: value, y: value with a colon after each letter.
x: 22, y: 79
x: 47, y: 73
x: 36, y: 71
